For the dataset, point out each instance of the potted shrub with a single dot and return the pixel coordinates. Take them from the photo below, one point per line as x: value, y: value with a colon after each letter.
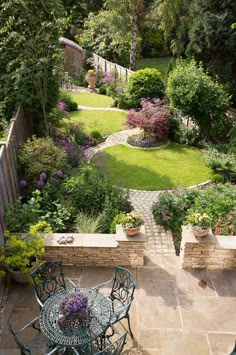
x: 131, y: 223
x: 21, y: 253
x: 200, y: 223
x: 91, y: 78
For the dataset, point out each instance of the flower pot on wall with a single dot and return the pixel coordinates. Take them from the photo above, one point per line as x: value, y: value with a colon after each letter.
x: 200, y: 232
x: 132, y: 231
x: 91, y: 80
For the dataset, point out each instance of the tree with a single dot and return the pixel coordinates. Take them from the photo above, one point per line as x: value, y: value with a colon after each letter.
x: 30, y: 55
x: 194, y: 93
x: 129, y: 15
x: 213, y: 40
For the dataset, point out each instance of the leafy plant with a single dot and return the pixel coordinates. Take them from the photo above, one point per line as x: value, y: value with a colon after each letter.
x: 85, y: 223
x: 220, y: 162
x: 199, y: 221
x: 131, y: 220
x: 144, y: 83
x: 67, y: 98
x: 226, y: 225
x: 116, y: 220
x: 151, y: 118
x: 40, y: 155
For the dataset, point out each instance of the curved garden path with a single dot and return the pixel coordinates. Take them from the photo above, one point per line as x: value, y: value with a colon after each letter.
x: 158, y: 240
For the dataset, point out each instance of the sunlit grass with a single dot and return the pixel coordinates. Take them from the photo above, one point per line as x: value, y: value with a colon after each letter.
x: 93, y: 100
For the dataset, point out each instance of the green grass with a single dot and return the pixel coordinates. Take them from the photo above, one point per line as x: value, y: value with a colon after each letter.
x: 158, y: 169
x: 157, y: 63
x: 105, y: 122
x: 93, y: 100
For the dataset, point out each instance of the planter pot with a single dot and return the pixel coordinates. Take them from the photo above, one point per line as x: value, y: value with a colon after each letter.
x: 72, y: 321
x: 19, y: 276
x: 200, y: 232
x: 91, y: 80
x: 132, y: 231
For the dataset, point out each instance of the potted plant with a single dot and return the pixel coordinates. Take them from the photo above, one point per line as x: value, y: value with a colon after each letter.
x: 22, y: 252
x: 200, y: 223
x: 131, y: 223
x: 91, y: 78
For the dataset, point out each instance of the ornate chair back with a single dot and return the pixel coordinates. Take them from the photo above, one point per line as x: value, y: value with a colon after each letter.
x: 48, y: 279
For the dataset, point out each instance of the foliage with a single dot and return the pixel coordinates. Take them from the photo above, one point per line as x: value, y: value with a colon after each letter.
x: 220, y: 162
x: 74, y: 133
x: 88, y: 224
x: 74, y: 153
x: 91, y: 191
x: 226, y: 225
x: 20, y: 252
x: 171, y: 208
x: 181, y: 133
x: 152, y: 118
x: 102, y: 90
x: 40, y: 155
x: 31, y: 77
x: 116, y: 220
x: 199, y: 221
x: 67, y: 98
x: 38, y: 228
x: 153, y: 43
x: 131, y: 220
x: 97, y: 136
x: 155, y: 169
x: 102, y: 37
x: 144, y: 83
x: 212, y: 39
x: 194, y: 93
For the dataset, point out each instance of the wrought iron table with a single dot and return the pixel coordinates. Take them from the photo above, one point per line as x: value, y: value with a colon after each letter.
x: 82, y: 333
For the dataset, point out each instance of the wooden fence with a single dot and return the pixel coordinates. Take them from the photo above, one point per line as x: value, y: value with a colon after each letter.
x: 106, y: 66
x: 20, y: 130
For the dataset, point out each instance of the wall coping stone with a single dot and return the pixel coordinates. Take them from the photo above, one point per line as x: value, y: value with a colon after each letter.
x: 122, y: 237
x: 220, y: 241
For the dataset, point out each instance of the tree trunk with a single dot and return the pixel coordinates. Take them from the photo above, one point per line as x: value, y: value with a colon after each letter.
x: 45, y: 120
x: 133, y: 45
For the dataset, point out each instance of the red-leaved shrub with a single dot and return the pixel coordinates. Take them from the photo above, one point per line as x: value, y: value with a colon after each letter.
x: 151, y: 118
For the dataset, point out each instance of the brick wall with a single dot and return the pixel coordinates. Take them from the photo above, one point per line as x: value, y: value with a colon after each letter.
x: 211, y: 252
x: 98, y: 249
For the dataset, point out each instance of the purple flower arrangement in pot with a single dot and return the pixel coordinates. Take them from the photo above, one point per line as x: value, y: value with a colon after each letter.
x: 73, y: 309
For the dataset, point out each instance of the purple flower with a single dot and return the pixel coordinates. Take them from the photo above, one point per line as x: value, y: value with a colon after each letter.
x: 59, y: 173
x: 43, y: 176
x: 73, y: 302
x: 23, y: 184
x: 40, y: 183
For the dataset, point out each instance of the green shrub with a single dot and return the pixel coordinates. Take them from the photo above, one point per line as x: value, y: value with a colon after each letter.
x: 67, y: 98
x: 195, y: 94
x: 116, y: 220
x: 144, y: 83
x: 217, y: 178
x: 74, y: 133
x: 97, y: 136
x: 40, y: 155
x: 102, y: 90
x: 220, y: 162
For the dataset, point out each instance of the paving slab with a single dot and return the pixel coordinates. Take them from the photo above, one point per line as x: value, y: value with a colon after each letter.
x: 208, y: 313
x: 221, y: 343
x: 224, y: 282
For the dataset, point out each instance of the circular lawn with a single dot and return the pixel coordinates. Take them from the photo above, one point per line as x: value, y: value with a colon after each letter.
x: 157, y: 169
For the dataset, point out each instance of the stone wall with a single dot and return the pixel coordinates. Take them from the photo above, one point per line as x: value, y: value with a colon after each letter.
x: 211, y: 252
x: 74, y: 57
x: 98, y: 249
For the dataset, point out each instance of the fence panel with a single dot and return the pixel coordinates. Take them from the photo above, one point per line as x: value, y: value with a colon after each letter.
x: 20, y: 129
x: 106, y: 66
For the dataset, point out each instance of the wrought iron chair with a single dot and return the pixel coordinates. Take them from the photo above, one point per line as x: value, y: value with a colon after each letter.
x: 234, y: 350
x: 121, y: 295
x: 48, y: 279
x: 39, y: 344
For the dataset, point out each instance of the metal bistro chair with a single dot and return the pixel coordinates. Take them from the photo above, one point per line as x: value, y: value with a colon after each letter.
x: 121, y: 295
x: 106, y: 344
x: 36, y: 345
x: 48, y: 279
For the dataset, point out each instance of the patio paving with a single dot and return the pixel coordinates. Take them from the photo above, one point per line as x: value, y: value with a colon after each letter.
x: 174, y: 312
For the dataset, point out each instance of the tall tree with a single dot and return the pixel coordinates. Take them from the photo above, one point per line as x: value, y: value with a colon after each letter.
x: 130, y: 14
x: 30, y: 55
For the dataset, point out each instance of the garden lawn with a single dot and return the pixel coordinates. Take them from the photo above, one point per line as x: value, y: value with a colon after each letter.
x: 93, y: 100
x: 105, y: 122
x: 157, y: 169
x: 157, y: 63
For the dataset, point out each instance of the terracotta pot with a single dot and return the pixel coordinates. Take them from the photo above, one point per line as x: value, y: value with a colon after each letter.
x: 132, y: 231
x: 19, y: 276
x: 200, y: 232
x: 91, y: 79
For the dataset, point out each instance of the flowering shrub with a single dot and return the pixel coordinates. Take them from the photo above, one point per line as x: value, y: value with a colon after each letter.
x: 152, y: 118
x: 131, y: 220
x: 171, y: 208
x: 199, y: 221
x: 227, y: 225
x: 73, y: 303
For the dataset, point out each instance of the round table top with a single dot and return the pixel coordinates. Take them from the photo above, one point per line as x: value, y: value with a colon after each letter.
x: 84, y: 332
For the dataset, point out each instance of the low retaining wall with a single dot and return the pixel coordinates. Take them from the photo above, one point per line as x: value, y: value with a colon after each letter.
x: 211, y: 252
x: 98, y: 249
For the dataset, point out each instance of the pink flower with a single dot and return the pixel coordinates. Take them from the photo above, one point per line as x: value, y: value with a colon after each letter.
x: 230, y: 218
x: 165, y: 218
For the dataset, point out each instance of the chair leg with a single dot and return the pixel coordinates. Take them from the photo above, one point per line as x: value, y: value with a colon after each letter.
x: 130, y: 331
